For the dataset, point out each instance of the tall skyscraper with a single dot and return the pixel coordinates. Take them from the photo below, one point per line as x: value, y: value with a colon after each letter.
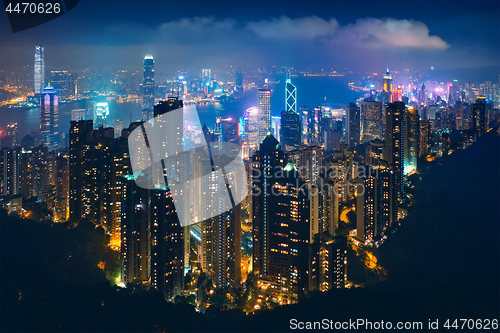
x: 206, y: 73
x: 80, y: 137
x: 332, y: 140
x: 169, y: 105
x: 376, y: 205
x: 422, y: 97
x: 265, y: 164
x: 167, y: 245
x: 291, y: 129
x: 264, y: 129
x: 387, y: 86
x: 479, y: 119
x: 328, y: 258
x: 97, y: 162
x: 281, y: 214
x: 397, y: 94
x: 375, y: 153
x: 328, y: 206
x: 371, y: 113
x: 308, y: 160
x: 251, y: 122
x: 424, y: 137
x: 49, y: 118
x: 231, y: 140
x: 239, y: 80
x: 394, y: 142
x: 135, y: 234
x: 39, y: 75
x: 9, y: 171
x: 353, y: 125
x: 100, y: 114
x: 226, y: 257
x: 60, y: 81
x: 220, y: 236
x: 412, y: 140
x: 148, y: 88
x: 276, y: 126
x: 290, y: 95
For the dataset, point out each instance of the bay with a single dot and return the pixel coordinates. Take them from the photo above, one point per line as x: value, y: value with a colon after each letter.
x: 311, y: 91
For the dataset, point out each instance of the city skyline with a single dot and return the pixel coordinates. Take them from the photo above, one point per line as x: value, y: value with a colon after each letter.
x: 251, y: 166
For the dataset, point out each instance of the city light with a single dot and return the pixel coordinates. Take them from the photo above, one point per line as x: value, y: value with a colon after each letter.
x: 257, y: 165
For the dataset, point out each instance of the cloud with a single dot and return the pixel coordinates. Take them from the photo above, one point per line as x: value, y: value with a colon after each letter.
x: 390, y: 32
x: 198, y: 25
x: 310, y: 27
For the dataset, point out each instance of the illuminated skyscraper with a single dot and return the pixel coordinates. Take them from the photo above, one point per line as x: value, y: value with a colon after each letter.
x: 135, y: 234
x: 169, y: 105
x: 328, y: 207
x: 9, y: 171
x: 453, y: 92
x: 39, y: 78
x: 394, y: 142
x: 422, y: 96
x: 231, y: 140
x: 479, y: 120
x: 100, y: 114
x: 387, y: 87
x: 49, y: 118
x: 226, y: 256
x: 276, y: 126
x: 375, y: 152
x: 167, y: 245
x: 412, y: 140
x: 328, y: 262
x: 291, y: 129
x: 148, y: 88
x: 118, y: 126
x: 265, y: 164
x: 353, y: 125
x: 397, y: 94
x: 290, y: 95
x: 308, y: 160
x: 60, y: 81
x: 206, y: 74
x: 281, y: 215
x: 80, y: 136
x: 424, y: 137
x: 371, y: 113
x: 251, y: 122
x: 376, y: 204
x: 264, y: 113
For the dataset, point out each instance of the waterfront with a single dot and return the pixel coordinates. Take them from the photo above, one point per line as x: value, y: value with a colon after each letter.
x: 312, y: 92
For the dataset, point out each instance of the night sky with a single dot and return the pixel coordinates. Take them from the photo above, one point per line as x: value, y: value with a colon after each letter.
x: 360, y: 36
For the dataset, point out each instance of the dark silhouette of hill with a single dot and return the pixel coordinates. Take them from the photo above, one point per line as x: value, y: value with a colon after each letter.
x: 450, y: 241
